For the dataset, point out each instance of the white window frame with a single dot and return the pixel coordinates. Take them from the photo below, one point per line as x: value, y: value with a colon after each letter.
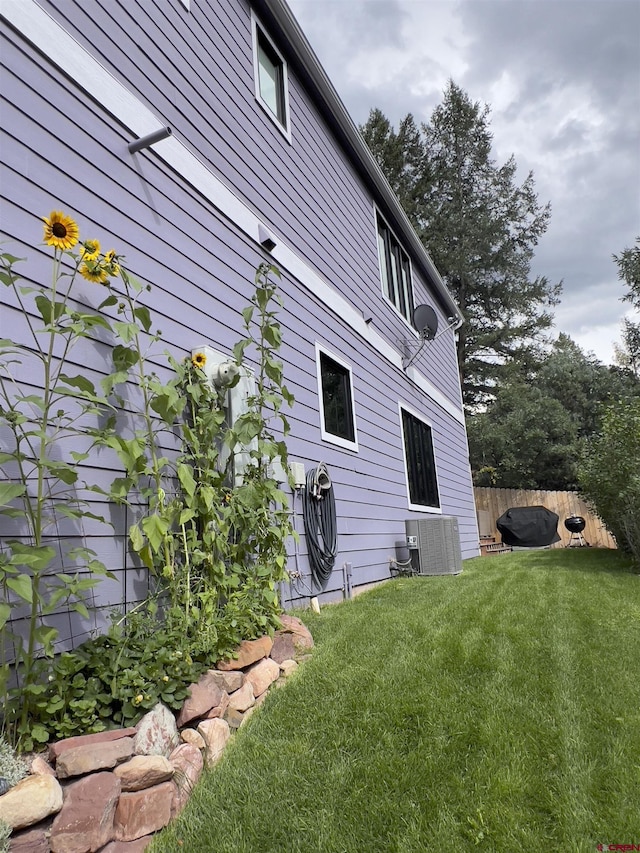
x: 285, y: 129
x: 418, y: 507
x: 379, y: 218
x: 330, y: 437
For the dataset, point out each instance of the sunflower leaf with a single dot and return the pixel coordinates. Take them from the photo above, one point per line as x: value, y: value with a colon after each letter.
x: 45, y: 635
x: 36, y: 557
x: 123, y: 357
x: 9, y: 491
x: 239, y: 348
x: 22, y: 587
x: 91, y: 320
x: 155, y: 528
x: 126, y: 331
x: 11, y: 259
x: 80, y: 382
x: 48, y: 311
x: 142, y: 314
x: 12, y: 513
x: 108, y: 302
x: 136, y: 538
x: 185, y: 475
x: 80, y: 608
x: 146, y: 557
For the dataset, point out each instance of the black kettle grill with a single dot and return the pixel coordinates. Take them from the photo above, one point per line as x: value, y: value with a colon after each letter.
x: 575, y: 524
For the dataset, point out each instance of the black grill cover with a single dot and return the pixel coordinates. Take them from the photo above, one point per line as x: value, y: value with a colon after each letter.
x: 528, y: 527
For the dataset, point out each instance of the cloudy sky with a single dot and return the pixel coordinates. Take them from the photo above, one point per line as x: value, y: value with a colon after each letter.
x: 562, y: 78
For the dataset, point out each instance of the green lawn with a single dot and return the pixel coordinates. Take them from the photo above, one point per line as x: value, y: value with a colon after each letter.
x: 498, y: 710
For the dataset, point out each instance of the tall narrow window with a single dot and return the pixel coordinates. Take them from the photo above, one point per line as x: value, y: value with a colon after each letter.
x: 270, y: 72
x: 337, y: 416
x: 395, y: 270
x: 422, y: 480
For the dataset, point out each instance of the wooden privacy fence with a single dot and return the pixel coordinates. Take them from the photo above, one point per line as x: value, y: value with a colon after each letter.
x: 565, y: 504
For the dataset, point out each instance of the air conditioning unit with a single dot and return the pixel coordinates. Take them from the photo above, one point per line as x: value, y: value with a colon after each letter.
x: 434, y: 545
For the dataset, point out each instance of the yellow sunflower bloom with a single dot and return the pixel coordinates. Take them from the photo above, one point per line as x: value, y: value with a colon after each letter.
x: 90, y: 250
x: 94, y: 272
x: 111, y: 262
x: 199, y: 359
x: 60, y: 231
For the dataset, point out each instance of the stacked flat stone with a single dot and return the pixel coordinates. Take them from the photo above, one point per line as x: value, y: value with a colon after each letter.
x: 109, y: 792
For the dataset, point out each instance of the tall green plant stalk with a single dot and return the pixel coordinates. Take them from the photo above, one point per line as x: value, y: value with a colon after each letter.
x: 261, y: 522
x: 38, y: 488
x: 146, y: 468
x: 218, y: 547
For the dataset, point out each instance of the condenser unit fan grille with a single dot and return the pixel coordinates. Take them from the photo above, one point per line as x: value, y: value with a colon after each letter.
x: 434, y: 545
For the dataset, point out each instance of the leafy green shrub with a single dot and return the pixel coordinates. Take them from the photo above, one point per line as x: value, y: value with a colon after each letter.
x: 114, y: 680
x: 609, y: 475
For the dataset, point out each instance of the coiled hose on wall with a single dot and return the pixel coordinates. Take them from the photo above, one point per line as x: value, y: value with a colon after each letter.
x: 319, y: 515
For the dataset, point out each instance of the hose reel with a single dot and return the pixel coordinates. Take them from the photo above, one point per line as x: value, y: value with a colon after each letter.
x: 319, y: 515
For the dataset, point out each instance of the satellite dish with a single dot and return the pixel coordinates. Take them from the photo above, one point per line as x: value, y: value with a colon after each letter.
x: 425, y: 322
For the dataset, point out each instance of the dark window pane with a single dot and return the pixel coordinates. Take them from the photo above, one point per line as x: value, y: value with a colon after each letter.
x: 421, y: 466
x: 336, y: 399
x: 271, y: 78
x: 382, y: 253
x: 395, y: 270
x: 407, y: 297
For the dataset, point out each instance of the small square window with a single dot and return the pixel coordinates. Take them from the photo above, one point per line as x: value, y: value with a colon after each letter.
x: 270, y: 72
x: 337, y: 415
x: 395, y: 270
x: 422, y: 480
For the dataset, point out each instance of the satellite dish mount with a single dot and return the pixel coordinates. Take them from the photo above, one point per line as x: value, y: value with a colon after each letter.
x: 425, y: 321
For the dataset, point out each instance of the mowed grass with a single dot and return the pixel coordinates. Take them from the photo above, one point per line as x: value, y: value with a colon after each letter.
x: 498, y: 710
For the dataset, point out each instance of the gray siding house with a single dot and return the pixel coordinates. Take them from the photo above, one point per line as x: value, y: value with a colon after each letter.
x: 263, y: 163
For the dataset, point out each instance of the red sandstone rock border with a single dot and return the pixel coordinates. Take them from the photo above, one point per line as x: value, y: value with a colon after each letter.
x: 109, y: 792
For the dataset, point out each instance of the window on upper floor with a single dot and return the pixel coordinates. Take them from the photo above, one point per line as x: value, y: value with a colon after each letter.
x: 335, y: 389
x: 270, y: 74
x: 420, y: 463
x: 395, y: 270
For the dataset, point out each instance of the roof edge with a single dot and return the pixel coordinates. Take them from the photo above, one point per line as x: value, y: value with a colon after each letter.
x: 285, y: 19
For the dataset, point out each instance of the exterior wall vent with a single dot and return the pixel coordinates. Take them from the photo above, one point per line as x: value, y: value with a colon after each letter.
x: 434, y: 545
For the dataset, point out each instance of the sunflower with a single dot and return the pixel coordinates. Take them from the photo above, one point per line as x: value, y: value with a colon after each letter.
x: 60, y: 231
x: 111, y: 262
x: 90, y: 250
x: 199, y: 359
x: 94, y: 271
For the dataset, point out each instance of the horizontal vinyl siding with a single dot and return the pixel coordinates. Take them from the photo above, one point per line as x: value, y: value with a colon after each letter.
x: 194, y: 71
x: 60, y: 150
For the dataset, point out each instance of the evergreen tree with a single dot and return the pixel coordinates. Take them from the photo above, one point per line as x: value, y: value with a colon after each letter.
x: 628, y: 262
x: 480, y: 227
x: 401, y: 156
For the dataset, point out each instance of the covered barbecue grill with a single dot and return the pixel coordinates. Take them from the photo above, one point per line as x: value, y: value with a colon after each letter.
x: 528, y: 527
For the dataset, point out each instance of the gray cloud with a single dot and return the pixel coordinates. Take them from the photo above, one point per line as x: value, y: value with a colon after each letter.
x: 562, y: 78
